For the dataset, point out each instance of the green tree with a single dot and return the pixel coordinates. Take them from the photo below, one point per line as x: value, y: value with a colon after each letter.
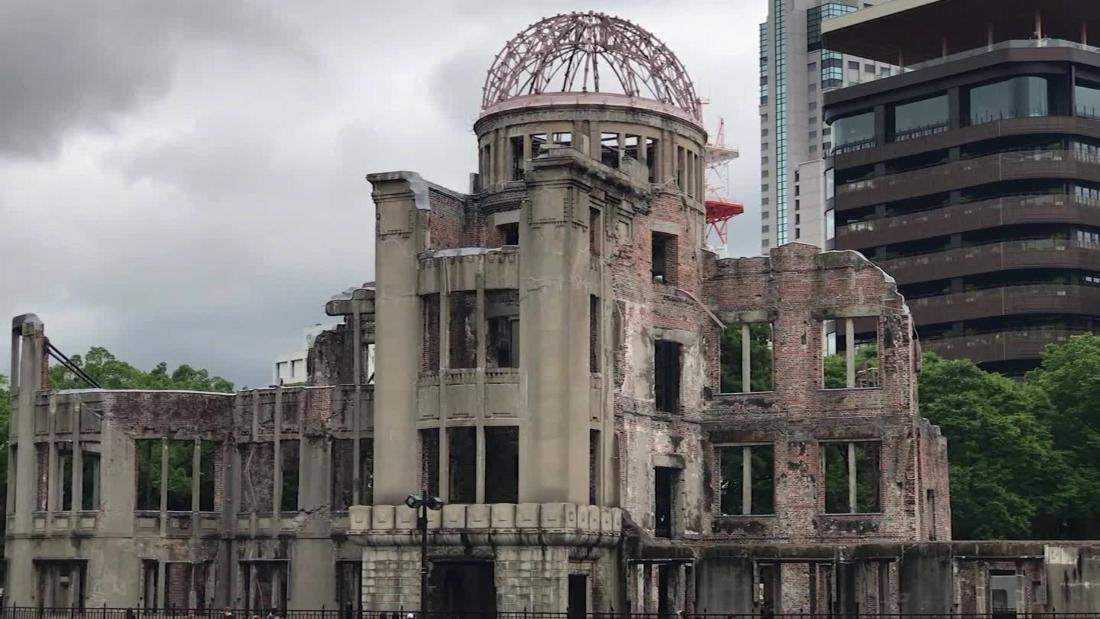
x: 113, y: 373
x: 760, y: 358
x: 1069, y: 377
x: 1005, y: 470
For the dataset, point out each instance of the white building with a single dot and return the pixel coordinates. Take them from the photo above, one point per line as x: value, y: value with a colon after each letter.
x: 290, y: 368
x: 794, y: 72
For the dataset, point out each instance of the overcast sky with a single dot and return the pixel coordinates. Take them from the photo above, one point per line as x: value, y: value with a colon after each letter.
x: 184, y: 181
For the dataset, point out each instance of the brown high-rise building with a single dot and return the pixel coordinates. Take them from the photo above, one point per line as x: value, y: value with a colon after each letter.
x: 973, y: 176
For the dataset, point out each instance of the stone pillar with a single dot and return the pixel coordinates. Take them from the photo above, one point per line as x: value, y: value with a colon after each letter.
x: 391, y: 578
x: 401, y: 199
x: 554, y: 376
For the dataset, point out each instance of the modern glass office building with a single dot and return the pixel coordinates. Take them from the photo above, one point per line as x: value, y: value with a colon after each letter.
x: 973, y: 178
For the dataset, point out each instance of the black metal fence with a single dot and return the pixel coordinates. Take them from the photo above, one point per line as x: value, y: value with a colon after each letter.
x: 211, y: 613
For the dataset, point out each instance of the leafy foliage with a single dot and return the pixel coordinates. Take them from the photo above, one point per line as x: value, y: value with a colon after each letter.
x: 760, y: 358
x: 113, y: 373
x: 1024, y: 454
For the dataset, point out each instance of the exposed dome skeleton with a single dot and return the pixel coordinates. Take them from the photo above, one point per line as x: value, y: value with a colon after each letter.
x: 589, y: 52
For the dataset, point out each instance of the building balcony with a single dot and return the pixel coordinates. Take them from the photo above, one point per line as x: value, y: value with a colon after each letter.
x: 1011, y: 345
x: 957, y: 218
x: 993, y: 257
x: 957, y: 175
x: 1006, y: 301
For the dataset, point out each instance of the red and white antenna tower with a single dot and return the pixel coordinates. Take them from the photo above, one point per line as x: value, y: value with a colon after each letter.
x: 720, y: 209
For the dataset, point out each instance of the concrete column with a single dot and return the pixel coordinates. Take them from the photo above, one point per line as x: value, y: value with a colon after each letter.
x: 989, y: 34
x: 554, y: 300
x: 162, y: 572
x: 852, y: 493
x: 1038, y: 24
x: 77, y: 481
x: 28, y: 344
x: 1084, y: 33
x: 356, y: 423
x: 277, y: 485
x: 163, y: 490
x: 401, y: 200
x: 196, y: 489
x: 746, y: 481
x: 746, y: 359
x: 850, y: 351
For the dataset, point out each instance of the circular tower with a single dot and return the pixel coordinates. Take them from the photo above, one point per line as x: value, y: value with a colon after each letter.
x: 597, y: 84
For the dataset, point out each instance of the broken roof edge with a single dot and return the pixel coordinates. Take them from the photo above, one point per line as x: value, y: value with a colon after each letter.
x: 421, y: 188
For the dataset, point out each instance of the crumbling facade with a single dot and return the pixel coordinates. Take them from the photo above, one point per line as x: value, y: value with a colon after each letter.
x: 615, y: 419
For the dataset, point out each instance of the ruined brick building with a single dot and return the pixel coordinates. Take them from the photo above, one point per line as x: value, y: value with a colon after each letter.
x: 616, y: 419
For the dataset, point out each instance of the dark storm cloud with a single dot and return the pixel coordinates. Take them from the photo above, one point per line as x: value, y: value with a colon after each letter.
x: 74, y: 64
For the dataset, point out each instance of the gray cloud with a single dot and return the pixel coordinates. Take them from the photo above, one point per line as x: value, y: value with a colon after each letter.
x: 184, y: 181
x: 71, y: 64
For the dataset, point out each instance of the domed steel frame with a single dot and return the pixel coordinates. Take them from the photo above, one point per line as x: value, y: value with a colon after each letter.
x: 566, y: 53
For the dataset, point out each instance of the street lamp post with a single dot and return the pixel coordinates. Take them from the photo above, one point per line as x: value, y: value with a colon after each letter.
x: 422, y: 503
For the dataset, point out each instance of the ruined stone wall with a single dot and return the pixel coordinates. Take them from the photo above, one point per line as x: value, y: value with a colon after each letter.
x: 796, y: 289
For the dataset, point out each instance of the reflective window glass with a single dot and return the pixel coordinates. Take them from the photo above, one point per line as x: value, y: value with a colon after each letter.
x: 1019, y: 97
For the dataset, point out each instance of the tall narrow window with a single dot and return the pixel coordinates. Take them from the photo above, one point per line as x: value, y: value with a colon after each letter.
x: 747, y: 480
x: 609, y: 149
x: 850, y: 359
x: 516, y: 144
x: 181, y: 460
x: 288, y: 498
x: 502, y: 321
x: 593, y: 333
x: 631, y: 144
x: 595, y: 232
x: 666, y: 379
x: 593, y: 467
x: 538, y: 144
x: 563, y: 139
x: 208, y: 451
x: 65, y: 472
x: 148, y: 452
x: 90, y: 479
x: 366, y: 471
x: 463, y: 329
x: 429, y: 460
x: 462, y: 464
x: 651, y: 158
x: 851, y: 477
x: 429, y: 315
x: 501, y: 464
x: 665, y: 262
x: 746, y: 358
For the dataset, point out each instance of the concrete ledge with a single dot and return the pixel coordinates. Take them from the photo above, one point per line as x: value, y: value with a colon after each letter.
x: 548, y: 524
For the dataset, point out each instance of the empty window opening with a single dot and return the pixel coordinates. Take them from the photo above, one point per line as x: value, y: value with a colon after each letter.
x: 288, y: 497
x: 851, y: 477
x: 681, y: 165
x: 150, y: 583
x: 767, y: 588
x: 343, y: 473
x: 509, y: 233
x: 1002, y: 594
x: 65, y: 476
x: 664, y: 258
x: 149, y: 453
x: 578, y: 597
x: 538, y: 144
x: 208, y: 465
x: 257, y: 477
x: 609, y: 149
x: 265, y: 584
x: 594, y: 349
x: 563, y: 138
x: 42, y: 478
x: 850, y: 361
x: 631, y: 146
x: 429, y: 351
x: 593, y: 467
x: 462, y: 464
x: 429, y: 460
x: 502, y: 322
x: 181, y: 582
x: 595, y: 231
x: 463, y: 330
x: 181, y: 460
x: 651, y: 158
x: 666, y: 379
x: 90, y: 480
x: 747, y: 352
x: 501, y: 464
x: 349, y: 588
x: 664, y: 480
x: 747, y: 485
x: 61, y: 584
x: 516, y: 144
x: 930, y: 505
x: 462, y: 589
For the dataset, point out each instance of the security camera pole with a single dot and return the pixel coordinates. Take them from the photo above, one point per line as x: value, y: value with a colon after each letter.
x: 422, y: 504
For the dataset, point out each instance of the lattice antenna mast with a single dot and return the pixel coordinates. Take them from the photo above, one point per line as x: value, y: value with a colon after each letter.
x: 720, y: 209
